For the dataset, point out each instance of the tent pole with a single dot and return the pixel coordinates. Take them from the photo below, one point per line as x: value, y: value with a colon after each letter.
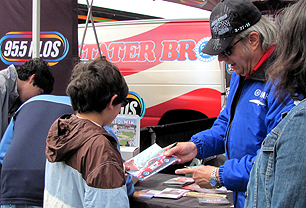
x: 85, y: 29
x: 36, y: 28
x: 94, y: 28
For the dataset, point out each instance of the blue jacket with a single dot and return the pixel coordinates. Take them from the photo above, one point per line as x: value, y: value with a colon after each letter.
x: 251, y: 113
x: 278, y: 177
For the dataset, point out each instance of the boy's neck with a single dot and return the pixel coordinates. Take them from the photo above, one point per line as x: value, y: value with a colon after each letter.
x: 92, y: 116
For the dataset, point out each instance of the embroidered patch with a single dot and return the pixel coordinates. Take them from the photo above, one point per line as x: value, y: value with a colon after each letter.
x: 258, y: 102
x: 221, y: 25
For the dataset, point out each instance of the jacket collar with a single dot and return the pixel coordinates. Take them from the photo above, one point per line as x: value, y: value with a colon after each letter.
x: 259, y: 71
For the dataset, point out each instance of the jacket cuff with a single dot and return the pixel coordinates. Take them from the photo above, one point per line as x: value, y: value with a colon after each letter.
x: 221, y: 168
x: 198, y: 145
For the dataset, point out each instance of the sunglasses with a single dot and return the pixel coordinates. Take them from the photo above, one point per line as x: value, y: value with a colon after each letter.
x: 228, y: 50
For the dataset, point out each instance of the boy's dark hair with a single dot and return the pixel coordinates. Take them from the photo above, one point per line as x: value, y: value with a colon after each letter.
x: 94, y: 83
x: 43, y: 77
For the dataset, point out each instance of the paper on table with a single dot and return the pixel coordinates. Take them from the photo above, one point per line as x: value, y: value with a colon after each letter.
x: 172, y: 193
x: 146, y: 193
x: 220, y: 201
x: 179, y: 181
x: 195, y: 187
x: 204, y: 195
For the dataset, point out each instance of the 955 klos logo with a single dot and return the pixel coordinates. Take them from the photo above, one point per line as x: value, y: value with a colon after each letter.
x: 17, y: 47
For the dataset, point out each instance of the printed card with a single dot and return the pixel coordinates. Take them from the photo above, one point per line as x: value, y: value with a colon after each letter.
x: 172, y: 193
x: 148, y: 162
x: 195, y: 187
x: 127, y: 130
x: 204, y: 195
x: 146, y: 193
x: 179, y: 181
x: 219, y: 201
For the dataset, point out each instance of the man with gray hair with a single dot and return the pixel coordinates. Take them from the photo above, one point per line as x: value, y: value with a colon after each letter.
x: 245, y: 41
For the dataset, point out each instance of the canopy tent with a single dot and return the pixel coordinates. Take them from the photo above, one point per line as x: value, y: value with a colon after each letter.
x: 262, y: 5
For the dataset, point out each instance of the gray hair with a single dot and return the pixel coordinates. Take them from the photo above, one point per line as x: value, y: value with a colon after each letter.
x: 266, y: 29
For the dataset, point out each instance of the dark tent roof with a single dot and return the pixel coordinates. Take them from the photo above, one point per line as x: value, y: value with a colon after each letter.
x: 262, y: 5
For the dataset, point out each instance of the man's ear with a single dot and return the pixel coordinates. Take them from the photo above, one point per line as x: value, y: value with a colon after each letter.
x: 254, y: 40
x: 31, y: 79
x: 111, y: 103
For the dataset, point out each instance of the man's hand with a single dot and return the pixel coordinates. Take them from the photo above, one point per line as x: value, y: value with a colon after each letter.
x: 184, y: 151
x: 200, y: 174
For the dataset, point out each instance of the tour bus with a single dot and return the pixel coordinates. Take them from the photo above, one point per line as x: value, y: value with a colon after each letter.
x: 163, y: 65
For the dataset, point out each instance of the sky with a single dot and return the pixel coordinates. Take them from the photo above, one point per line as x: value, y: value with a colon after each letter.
x: 157, y: 8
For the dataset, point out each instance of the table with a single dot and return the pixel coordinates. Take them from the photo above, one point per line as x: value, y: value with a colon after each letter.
x: 155, y: 182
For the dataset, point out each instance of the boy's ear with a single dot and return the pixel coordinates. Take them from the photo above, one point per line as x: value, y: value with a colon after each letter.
x: 111, y: 105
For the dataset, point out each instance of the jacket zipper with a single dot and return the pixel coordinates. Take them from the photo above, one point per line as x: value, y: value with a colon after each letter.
x: 233, y: 109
